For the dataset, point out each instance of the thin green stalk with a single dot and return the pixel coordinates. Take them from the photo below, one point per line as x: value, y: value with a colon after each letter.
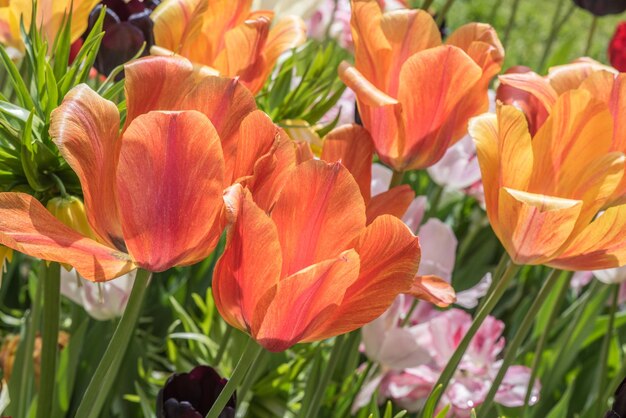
x: 542, y: 341
x: 511, y: 351
x: 427, y: 4
x: 555, y: 28
x: 225, y: 340
x: 318, y: 395
x: 396, y: 179
x: 49, y: 339
x: 491, y: 301
x: 606, y: 345
x: 592, y: 32
x: 434, y: 202
x: 511, y: 24
x: 24, y: 373
x: 250, y: 354
x: 104, y: 377
x: 444, y: 11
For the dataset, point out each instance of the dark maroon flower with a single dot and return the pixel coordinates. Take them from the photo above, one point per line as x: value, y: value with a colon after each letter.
x: 127, y: 26
x: 619, y: 404
x: 602, y: 7
x: 617, y: 48
x: 191, y: 395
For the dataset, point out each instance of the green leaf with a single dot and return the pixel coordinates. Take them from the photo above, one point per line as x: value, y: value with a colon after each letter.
x: 444, y: 412
x: 429, y: 407
x: 16, y: 80
x: 561, y: 408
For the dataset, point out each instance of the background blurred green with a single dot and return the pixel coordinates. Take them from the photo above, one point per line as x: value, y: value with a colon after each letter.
x: 532, y: 26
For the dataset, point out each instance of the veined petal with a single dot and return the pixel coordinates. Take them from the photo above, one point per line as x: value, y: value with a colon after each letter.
x: 570, y: 76
x: 156, y: 83
x: 433, y: 83
x: 371, y: 47
x: 251, y: 262
x: 242, y: 52
x: 433, y: 289
x: 393, y: 202
x: 407, y: 32
x: 578, y: 131
x: 534, y: 84
x: 26, y: 226
x: 271, y: 172
x: 288, y: 33
x: 304, y: 301
x: 352, y: 146
x: 390, y: 257
x: 320, y: 213
x: 534, y: 227
x: 484, y: 131
x: 85, y: 127
x: 599, y: 246
x: 366, y: 92
x: 480, y: 41
x: 256, y: 136
x: 170, y: 179
x: 177, y: 23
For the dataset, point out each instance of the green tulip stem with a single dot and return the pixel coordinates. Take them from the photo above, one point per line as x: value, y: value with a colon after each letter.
x: 104, y: 377
x: 250, y: 354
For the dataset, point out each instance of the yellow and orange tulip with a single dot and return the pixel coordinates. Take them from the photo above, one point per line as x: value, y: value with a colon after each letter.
x: 226, y: 36
x: 415, y: 94
x: 311, y: 268
x: 545, y: 195
x: 50, y: 15
x: 153, y: 193
x: 537, y: 95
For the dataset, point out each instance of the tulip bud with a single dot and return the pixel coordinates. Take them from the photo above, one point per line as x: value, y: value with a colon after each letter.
x: 71, y: 211
x: 300, y: 131
x: 191, y: 395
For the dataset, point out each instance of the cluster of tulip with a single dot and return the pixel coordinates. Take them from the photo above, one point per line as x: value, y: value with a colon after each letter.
x: 140, y: 142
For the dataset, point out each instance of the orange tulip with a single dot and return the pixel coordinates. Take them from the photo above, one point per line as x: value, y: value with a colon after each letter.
x: 352, y: 145
x: 544, y: 196
x: 50, y: 15
x: 153, y: 193
x: 227, y: 36
x: 311, y: 268
x: 415, y: 95
x: 537, y: 95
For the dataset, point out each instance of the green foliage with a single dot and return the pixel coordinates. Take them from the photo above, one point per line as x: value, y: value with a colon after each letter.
x: 305, y: 86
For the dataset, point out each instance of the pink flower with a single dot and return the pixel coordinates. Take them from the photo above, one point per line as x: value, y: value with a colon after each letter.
x: 410, y: 368
x: 607, y: 276
x: 458, y: 169
x: 102, y: 301
x: 335, y: 23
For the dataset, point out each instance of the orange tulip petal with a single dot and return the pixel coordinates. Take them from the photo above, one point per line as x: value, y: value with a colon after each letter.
x: 480, y: 41
x: 393, y: 202
x: 366, y: 92
x: 352, y: 146
x: 408, y: 32
x: 256, y: 136
x: 156, y: 83
x: 251, y: 262
x: 319, y: 213
x: 271, y: 172
x: 242, y: 52
x: 288, y: 33
x: 177, y: 23
x: 534, y: 84
x: 599, y: 246
x: 534, y: 227
x: 433, y: 84
x: 85, y: 128
x: 390, y: 256
x: 170, y: 182
x: 372, y: 51
x: 433, y: 289
x: 304, y: 301
x: 26, y: 226
x: 570, y: 76
x: 485, y: 133
x: 577, y: 132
